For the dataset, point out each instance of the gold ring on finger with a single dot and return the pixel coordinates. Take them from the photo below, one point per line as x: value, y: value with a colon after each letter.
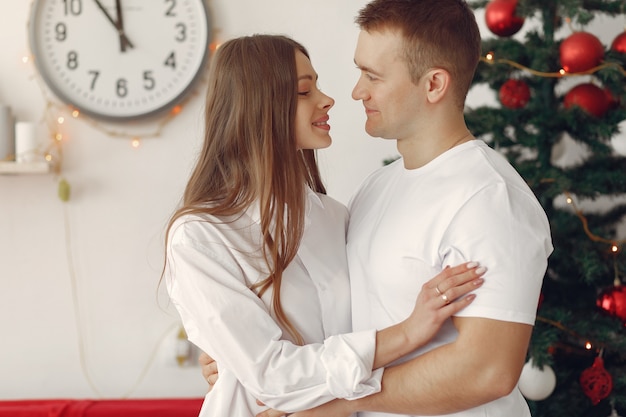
x: 445, y: 298
x: 438, y: 290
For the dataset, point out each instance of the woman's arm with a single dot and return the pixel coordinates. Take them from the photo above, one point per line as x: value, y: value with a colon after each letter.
x: 226, y: 319
x: 431, y: 310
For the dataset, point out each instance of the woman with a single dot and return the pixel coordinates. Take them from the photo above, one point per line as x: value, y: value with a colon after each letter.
x: 256, y: 261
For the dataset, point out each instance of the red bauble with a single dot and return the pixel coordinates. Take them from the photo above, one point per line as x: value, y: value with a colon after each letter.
x: 613, y: 301
x: 514, y: 94
x: 619, y: 43
x: 581, y: 52
x: 501, y: 19
x: 589, y: 97
x: 596, y: 382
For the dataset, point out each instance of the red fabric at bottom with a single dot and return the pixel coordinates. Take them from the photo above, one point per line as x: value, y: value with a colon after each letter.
x: 178, y: 407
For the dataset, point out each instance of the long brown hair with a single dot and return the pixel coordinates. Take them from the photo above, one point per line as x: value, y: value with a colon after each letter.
x: 250, y: 154
x: 436, y: 33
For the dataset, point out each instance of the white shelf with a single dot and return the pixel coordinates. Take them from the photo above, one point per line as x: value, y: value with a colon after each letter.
x: 10, y: 167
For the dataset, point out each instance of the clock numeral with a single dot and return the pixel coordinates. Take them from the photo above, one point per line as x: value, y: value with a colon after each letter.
x: 170, y: 11
x: 72, y: 60
x: 94, y: 78
x: 121, y: 87
x: 60, y: 29
x: 171, y: 61
x: 73, y: 7
x: 182, y: 32
x: 148, y: 80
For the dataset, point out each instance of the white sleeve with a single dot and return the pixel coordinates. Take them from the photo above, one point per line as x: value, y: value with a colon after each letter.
x: 224, y: 318
x: 507, y: 231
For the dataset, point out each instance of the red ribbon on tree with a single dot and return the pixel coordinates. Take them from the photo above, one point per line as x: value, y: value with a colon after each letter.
x: 596, y: 382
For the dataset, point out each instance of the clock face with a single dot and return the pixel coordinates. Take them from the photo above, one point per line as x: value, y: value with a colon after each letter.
x: 120, y: 59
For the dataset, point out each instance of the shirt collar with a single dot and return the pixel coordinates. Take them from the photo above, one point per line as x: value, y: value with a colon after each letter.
x: 254, y: 210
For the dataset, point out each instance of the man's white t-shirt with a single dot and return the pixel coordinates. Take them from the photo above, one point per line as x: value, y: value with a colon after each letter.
x: 467, y: 204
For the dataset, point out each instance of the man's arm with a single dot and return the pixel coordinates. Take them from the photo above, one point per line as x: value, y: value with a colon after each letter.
x: 432, y: 308
x: 482, y: 365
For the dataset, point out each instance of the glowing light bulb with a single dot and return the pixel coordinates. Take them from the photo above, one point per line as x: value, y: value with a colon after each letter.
x: 60, y: 120
x: 214, y: 46
x: 135, y: 143
x: 176, y: 109
x: 588, y: 345
x: 75, y: 113
x: 58, y: 137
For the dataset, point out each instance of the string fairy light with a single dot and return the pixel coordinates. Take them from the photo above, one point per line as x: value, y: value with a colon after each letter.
x: 614, y: 244
x: 54, y: 119
x: 491, y: 59
x: 587, y: 344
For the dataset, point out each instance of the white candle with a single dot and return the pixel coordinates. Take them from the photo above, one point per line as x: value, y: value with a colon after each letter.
x: 26, y: 143
x: 7, y: 138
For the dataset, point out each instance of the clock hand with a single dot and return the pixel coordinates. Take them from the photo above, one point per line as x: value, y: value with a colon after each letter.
x: 123, y: 39
x: 120, y: 27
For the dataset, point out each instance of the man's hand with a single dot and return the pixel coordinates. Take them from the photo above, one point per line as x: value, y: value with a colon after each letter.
x: 270, y: 412
x: 209, y: 369
x: 335, y: 408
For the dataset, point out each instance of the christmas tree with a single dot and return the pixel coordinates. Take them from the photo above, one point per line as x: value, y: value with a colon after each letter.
x: 566, y: 94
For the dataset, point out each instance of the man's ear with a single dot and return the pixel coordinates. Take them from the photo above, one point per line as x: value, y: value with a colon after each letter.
x: 437, y: 84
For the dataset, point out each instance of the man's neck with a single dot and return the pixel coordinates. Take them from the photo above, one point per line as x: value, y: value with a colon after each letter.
x: 419, y: 152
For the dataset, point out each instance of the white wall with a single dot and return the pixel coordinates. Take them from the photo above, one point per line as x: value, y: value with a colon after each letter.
x: 105, y: 244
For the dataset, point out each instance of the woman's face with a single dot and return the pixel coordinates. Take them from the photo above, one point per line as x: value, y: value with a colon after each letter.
x: 312, y: 128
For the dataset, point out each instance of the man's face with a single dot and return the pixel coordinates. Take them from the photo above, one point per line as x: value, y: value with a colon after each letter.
x: 392, y: 102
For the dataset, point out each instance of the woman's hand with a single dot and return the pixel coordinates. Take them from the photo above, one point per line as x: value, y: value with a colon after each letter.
x: 440, y: 298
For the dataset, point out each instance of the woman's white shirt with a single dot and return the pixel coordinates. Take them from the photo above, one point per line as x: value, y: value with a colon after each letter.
x: 212, y: 262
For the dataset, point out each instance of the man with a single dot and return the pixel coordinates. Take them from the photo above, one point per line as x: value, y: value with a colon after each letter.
x: 450, y: 198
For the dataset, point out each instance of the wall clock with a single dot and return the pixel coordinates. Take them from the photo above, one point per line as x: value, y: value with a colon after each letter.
x: 120, y: 59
